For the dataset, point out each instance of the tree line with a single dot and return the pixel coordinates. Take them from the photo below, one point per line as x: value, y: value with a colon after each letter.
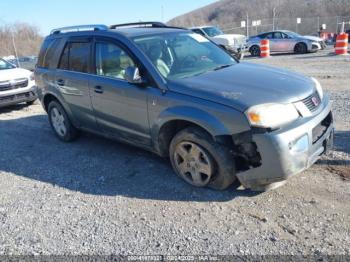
x: 22, y: 38
x: 229, y: 13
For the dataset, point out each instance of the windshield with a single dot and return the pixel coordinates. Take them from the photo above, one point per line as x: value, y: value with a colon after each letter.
x: 292, y: 34
x: 5, y: 65
x: 212, y: 31
x: 181, y: 55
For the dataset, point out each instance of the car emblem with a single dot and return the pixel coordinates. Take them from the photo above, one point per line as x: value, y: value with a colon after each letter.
x: 315, y: 101
x: 12, y: 82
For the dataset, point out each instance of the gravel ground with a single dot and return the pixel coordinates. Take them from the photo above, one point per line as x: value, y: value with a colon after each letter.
x: 97, y: 197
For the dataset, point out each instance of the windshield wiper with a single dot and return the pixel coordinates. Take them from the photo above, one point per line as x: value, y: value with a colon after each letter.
x: 222, y: 67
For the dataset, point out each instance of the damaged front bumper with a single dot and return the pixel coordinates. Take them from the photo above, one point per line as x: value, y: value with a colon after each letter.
x: 290, y: 150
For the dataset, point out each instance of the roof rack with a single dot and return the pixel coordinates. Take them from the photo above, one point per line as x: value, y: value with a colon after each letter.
x: 140, y: 24
x: 79, y: 28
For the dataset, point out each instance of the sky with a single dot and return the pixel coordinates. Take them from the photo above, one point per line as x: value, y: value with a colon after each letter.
x: 46, y: 14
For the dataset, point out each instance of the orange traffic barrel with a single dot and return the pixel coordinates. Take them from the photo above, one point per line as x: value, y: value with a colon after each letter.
x: 264, y: 48
x: 341, y: 45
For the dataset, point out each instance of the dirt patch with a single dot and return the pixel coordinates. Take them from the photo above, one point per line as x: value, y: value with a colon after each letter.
x: 342, y: 171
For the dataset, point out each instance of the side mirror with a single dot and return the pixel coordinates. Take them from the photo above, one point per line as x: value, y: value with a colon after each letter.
x: 132, y: 75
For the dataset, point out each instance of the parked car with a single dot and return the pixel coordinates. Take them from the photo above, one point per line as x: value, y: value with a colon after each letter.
x: 16, y: 85
x: 283, y: 41
x: 231, y: 42
x: 28, y: 62
x: 180, y: 96
x: 25, y: 62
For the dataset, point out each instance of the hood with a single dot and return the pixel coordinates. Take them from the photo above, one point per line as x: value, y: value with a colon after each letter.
x: 232, y: 39
x: 313, y: 38
x: 15, y: 73
x: 244, y: 85
x: 230, y: 36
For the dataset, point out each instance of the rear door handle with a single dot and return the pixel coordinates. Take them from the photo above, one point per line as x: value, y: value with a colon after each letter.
x: 98, y: 89
x: 60, y: 82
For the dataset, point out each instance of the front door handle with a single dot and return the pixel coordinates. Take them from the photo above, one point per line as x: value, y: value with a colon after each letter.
x: 60, y: 82
x: 98, y: 89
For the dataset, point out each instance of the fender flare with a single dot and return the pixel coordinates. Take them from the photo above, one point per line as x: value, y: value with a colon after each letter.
x: 186, y: 113
x: 64, y: 105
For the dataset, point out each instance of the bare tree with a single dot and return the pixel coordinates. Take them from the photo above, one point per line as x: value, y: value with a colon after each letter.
x: 24, y: 37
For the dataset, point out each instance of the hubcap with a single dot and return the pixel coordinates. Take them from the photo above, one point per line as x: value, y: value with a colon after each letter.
x: 58, y: 122
x: 193, y: 164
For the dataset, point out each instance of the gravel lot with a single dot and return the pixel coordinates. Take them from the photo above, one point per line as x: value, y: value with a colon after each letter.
x: 97, y: 197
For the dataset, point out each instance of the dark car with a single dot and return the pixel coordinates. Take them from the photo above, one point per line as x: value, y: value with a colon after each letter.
x: 175, y: 93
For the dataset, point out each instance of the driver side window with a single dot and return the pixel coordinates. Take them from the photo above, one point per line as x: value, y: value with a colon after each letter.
x: 111, y: 60
x: 285, y: 36
x: 278, y: 35
x: 269, y: 36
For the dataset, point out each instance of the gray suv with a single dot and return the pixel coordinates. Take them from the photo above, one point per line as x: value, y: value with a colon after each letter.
x: 177, y: 94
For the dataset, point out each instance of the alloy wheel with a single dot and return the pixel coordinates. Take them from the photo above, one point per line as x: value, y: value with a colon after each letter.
x: 193, y: 164
x: 58, y: 122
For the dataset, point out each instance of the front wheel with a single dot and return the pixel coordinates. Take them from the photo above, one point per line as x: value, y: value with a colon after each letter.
x: 200, y: 161
x: 60, y: 123
x: 255, y: 50
x: 300, y: 48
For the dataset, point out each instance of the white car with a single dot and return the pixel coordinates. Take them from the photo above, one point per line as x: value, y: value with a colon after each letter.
x: 16, y: 85
x: 228, y: 41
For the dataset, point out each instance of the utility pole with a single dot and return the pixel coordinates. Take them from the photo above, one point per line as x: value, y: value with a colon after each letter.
x: 336, y: 30
x: 14, y: 47
x: 273, y: 18
x: 247, y: 27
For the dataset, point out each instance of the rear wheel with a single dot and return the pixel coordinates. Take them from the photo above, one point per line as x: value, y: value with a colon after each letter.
x: 200, y: 161
x: 255, y: 50
x: 60, y: 123
x: 300, y: 48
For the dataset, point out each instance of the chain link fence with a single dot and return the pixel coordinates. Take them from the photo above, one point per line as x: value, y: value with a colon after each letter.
x: 306, y: 25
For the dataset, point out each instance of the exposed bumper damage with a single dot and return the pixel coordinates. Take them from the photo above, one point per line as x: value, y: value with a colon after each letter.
x: 288, y: 151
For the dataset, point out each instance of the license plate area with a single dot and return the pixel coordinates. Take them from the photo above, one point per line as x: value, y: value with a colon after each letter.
x: 321, y: 128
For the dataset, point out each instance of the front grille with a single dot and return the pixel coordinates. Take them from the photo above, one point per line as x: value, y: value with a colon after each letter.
x: 312, y: 102
x: 17, y: 83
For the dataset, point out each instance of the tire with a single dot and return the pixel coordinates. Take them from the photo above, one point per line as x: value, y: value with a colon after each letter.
x: 255, y: 50
x: 214, y: 158
x: 60, y: 123
x: 300, y: 48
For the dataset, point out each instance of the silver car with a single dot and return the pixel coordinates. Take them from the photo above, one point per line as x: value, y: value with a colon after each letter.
x: 283, y: 41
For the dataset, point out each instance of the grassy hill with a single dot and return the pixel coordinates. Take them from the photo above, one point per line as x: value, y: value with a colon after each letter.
x: 228, y: 14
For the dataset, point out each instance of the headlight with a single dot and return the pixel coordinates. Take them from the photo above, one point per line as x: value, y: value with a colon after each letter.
x: 318, y: 87
x: 31, y: 77
x: 271, y: 115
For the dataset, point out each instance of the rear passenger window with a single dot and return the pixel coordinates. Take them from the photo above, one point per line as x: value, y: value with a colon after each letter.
x: 47, y: 53
x: 75, y: 57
